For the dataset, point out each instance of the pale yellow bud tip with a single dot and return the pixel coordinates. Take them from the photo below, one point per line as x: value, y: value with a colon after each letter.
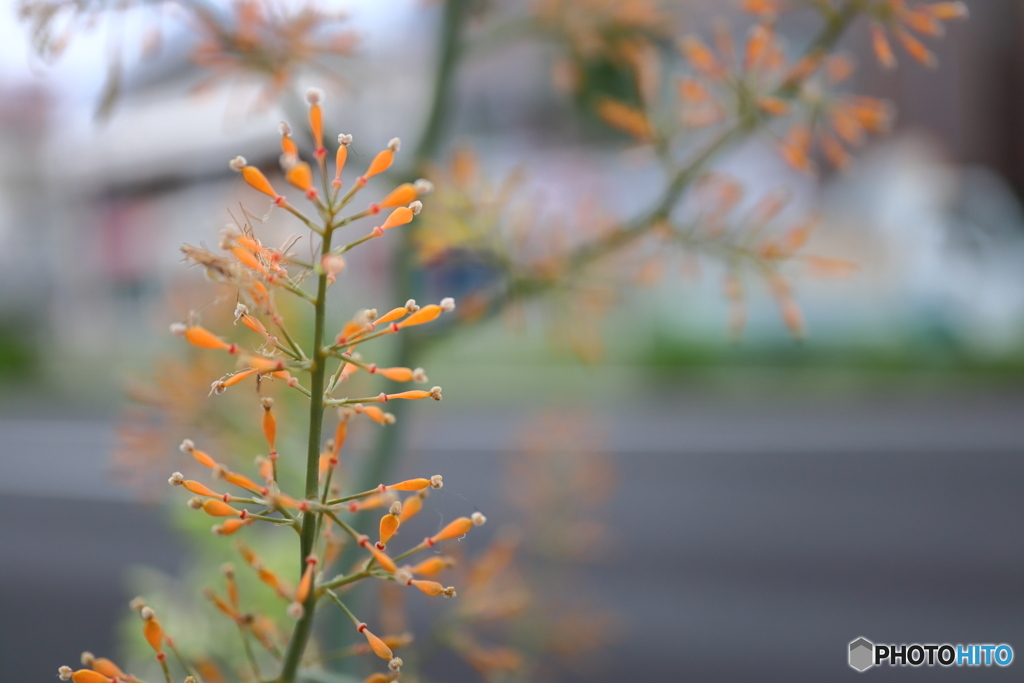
x: 227, y: 569
x: 240, y: 310
x: 478, y: 518
x: 419, y: 375
x: 436, y: 481
x: 88, y: 658
x: 176, y: 479
x: 190, y: 679
x: 345, y: 139
x: 178, y: 329
x: 449, y: 592
x: 423, y: 186
x: 416, y: 207
x: 403, y: 576
x: 295, y: 611
x: 267, y: 402
x: 448, y: 304
x: 394, y: 144
x: 395, y: 664
x: 314, y: 95
x: 411, y: 306
x: 65, y: 673
x: 238, y: 163
x: 187, y: 446
x: 195, y: 502
x: 284, y: 128
x: 396, y: 508
x: 147, y: 613
x: 137, y: 604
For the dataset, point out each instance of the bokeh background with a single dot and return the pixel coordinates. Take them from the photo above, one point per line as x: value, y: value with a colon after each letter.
x: 758, y: 504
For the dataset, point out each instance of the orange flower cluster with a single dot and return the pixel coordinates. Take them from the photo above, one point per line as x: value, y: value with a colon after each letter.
x: 259, y: 275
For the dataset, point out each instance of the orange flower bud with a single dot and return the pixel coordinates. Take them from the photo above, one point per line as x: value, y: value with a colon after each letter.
x: 388, y: 526
x: 378, y: 678
x: 265, y: 466
x: 316, y: 125
x: 340, y: 434
x: 432, y: 566
x: 104, y: 666
x: 288, y: 147
x: 403, y: 195
x: 262, y: 364
x: 339, y: 162
x: 270, y: 578
x: 396, y: 374
x: 378, y: 415
x: 301, y: 176
x: 399, y: 216
x: 151, y: 630
x: 199, y: 489
x: 424, y: 315
x: 230, y: 526
x: 921, y: 21
x: 218, y: 602
x: 87, y: 676
x: 915, y: 48
x: 410, y: 485
x: 242, y: 481
x: 883, y: 49
x: 410, y: 507
x: 236, y: 378
x: 416, y: 394
x: 946, y: 11
x: 218, y: 508
x: 204, y: 339
x: 258, y: 181
x: 382, y: 559
x: 381, y: 162
x: 370, y: 502
x: 302, y: 592
x: 758, y: 42
x: 701, y: 58
x: 376, y: 644
x: 269, y: 423
x: 773, y: 106
x: 625, y: 118
x: 202, y: 458
x: 248, y: 259
x: 457, y: 528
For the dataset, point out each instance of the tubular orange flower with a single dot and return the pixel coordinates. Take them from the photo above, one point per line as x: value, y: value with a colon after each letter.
x: 389, y: 524
x: 382, y: 558
x: 376, y: 644
x: 432, y: 588
x: 202, y: 458
x: 204, y: 339
x: 316, y: 118
x: 411, y: 506
x: 301, y: 176
x: 378, y: 678
x: 409, y: 485
x: 701, y: 58
x: 269, y: 423
x: 370, y: 502
x: 230, y: 526
x: 218, y: 602
x: 378, y: 415
x: 218, y: 508
x: 242, y: 481
x: 234, y: 379
x: 248, y: 259
x: 383, y: 160
x: 87, y: 676
x: 432, y: 566
x: 625, y: 118
x: 403, y: 195
x: 396, y: 374
x: 103, y: 666
x: 262, y: 364
x: 427, y: 314
x: 288, y: 147
x: 199, y: 489
x: 339, y: 161
x: 399, y: 216
x: 152, y: 630
x: 255, y: 178
x: 232, y: 585
x: 457, y: 528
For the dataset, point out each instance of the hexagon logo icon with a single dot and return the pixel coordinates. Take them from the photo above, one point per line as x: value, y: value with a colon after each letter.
x: 862, y: 654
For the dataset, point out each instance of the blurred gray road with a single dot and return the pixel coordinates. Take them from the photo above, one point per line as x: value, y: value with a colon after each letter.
x: 753, y: 540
